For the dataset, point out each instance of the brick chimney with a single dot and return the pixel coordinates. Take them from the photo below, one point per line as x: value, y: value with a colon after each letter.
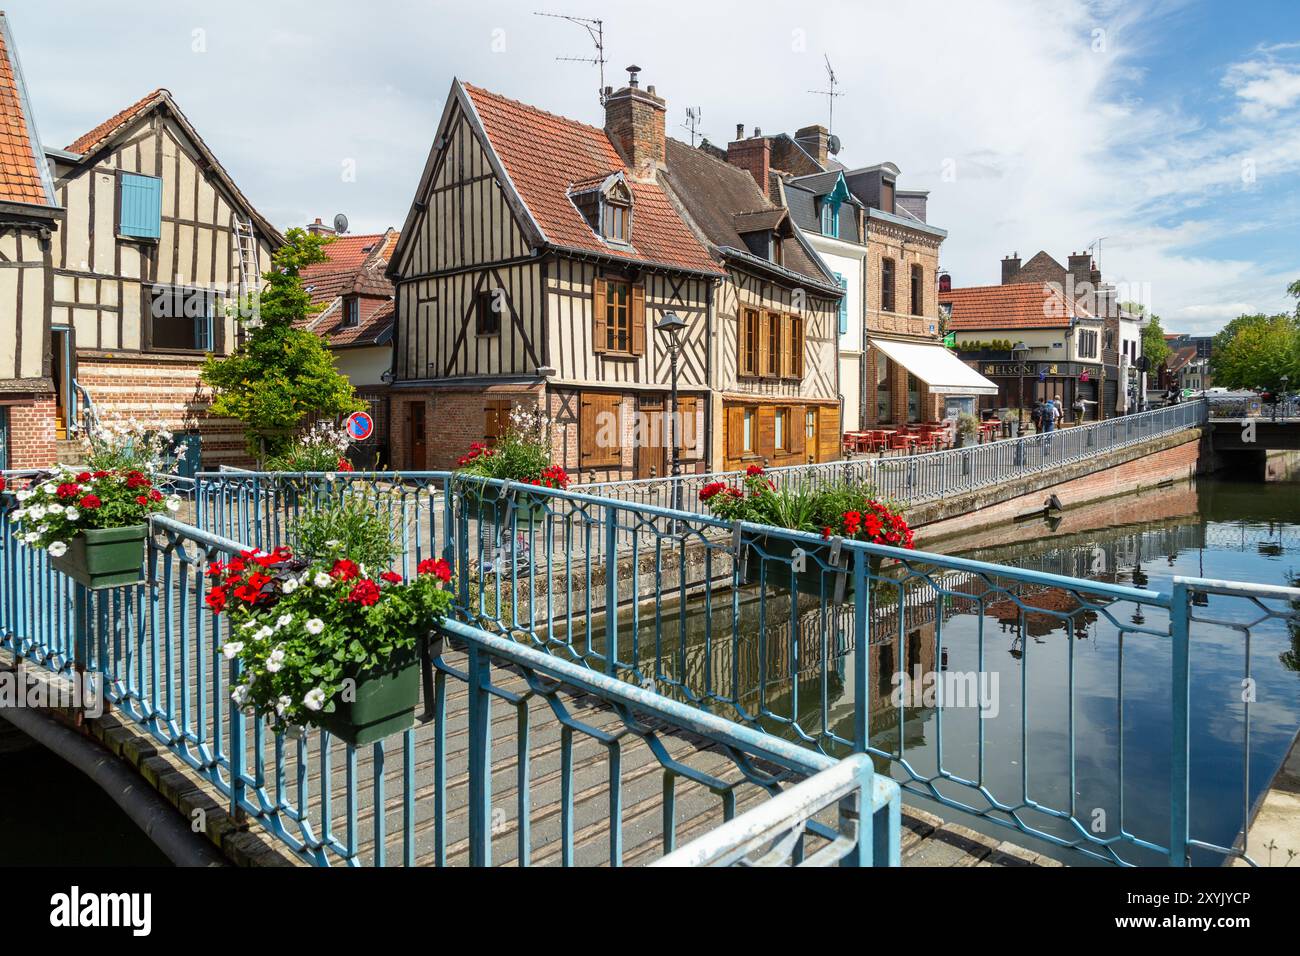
x: 754, y: 155
x: 1010, y: 266
x: 634, y: 120
x: 816, y: 142
x: 318, y: 228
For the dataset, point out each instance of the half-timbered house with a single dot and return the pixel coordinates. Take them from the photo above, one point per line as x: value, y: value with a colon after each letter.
x: 29, y: 218
x: 775, y: 353
x: 148, y: 270
x: 538, y: 258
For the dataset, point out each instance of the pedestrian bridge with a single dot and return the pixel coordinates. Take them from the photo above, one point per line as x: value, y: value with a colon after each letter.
x: 626, y: 683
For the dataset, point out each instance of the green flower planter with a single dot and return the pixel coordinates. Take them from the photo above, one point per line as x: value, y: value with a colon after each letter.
x: 779, y: 552
x: 487, y: 500
x: 384, y: 705
x: 105, y: 557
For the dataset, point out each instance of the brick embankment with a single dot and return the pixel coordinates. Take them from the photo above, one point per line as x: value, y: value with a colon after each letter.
x: 1175, y: 457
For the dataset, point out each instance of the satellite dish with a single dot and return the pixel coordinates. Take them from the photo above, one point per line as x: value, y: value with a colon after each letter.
x: 340, y: 223
x: 833, y: 144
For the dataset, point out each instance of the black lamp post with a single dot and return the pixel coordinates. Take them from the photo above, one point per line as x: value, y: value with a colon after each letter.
x: 1018, y: 353
x: 673, y: 324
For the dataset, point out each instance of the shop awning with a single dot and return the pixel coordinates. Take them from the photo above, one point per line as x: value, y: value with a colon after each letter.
x: 942, y: 372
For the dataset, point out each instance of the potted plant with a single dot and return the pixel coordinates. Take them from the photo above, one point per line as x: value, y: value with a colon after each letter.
x: 327, y: 642
x: 323, y: 447
x: 968, y: 429
x: 1012, y: 421
x: 848, y: 511
x: 92, y: 523
x: 522, y: 454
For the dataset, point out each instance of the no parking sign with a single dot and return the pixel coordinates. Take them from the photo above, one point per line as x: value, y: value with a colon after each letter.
x: 360, y: 426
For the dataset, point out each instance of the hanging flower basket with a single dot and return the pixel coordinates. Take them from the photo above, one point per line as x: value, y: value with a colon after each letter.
x: 779, y: 554
x: 327, y: 644
x: 93, y: 524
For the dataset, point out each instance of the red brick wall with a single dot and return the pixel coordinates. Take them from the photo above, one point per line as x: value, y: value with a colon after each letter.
x: 452, y: 420
x: 32, y: 442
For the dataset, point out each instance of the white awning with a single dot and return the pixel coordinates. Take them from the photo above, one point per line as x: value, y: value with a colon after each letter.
x: 943, y: 372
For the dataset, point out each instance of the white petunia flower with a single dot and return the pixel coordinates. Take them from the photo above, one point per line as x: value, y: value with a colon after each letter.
x: 71, y: 513
x: 284, y: 620
x: 275, y: 660
x: 282, y: 704
x: 231, y: 648
x: 322, y: 580
x: 247, y: 624
x: 333, y: 543
x: 263, y: 633
x: 24, y: 494
x: 315, y: 625
x: 58, y: 549
x: 315, y: 699
x: 289, y: 586
x: 36, y: 512
x: 240, y: 695
x: 173, y: 503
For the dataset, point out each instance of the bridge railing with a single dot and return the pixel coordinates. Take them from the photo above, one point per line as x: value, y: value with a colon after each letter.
x: 920, y: 660
x: 518, y: 756
x: 931, y: 476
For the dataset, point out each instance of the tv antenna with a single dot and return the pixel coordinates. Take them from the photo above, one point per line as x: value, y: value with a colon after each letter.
x: 1095, y: 248
x: 693, y: 115
x: 830, y: 93
x: 596, y: 30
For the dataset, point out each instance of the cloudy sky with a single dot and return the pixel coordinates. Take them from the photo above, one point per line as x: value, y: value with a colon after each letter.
x: 1168, y: 130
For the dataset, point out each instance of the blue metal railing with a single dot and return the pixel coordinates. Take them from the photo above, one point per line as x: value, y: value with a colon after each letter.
x: 720, y: 618
x: 932, y: 476
x: 455, y: 788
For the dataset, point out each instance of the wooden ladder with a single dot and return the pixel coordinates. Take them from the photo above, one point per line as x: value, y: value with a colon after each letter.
x: 246, y: 248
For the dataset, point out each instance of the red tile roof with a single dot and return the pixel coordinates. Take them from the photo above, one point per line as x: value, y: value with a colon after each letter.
x: 87, y: 142
x: 1014, y: 306
x: 21, y: 175
x: 356, y: 267
x: 544, y: 155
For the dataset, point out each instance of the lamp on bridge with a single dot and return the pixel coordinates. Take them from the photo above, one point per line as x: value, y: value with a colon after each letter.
x: 1281, y: 394
x: 672, y: 325
x: 1018, y: 353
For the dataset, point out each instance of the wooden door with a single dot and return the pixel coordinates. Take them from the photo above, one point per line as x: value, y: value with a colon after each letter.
x: 415, y: 437
x: 651, y: 454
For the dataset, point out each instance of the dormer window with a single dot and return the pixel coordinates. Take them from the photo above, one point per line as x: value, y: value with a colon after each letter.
x: 351, y: 313
x: 831, y: 219
x: 606, y: 205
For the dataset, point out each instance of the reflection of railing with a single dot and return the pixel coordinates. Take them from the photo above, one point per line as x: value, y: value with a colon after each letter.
x: 912, y: 479
x: 1251, y: 406
x: 454, y: 789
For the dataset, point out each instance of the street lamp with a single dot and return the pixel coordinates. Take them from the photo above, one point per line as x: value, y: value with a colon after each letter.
x: 1018, y: 353
x: 1281, y: 395
x: 672, y: 324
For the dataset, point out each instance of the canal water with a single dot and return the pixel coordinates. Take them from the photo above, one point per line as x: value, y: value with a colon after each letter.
x: 1076, y: 714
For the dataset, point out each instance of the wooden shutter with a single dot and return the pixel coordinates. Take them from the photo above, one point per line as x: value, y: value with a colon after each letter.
x: 600, y: 317
x: 796, y: 346
x: 828, y: 432
x: 735, y: 431
x: 742, y: 342
x: 638, y: 319
x: 595, y: 407
x: 139, y: 206
x: 687, y: 431
x: 765, y: 441
x: 796, y: 423
x: 496, y: 416
x: 763, y: 342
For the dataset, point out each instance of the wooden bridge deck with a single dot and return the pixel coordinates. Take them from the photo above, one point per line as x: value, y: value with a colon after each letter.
x: 926, y: 840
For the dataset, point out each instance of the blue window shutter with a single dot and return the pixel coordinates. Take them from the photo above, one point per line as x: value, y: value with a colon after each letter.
x: 140, y: 206
x: 844, y: 304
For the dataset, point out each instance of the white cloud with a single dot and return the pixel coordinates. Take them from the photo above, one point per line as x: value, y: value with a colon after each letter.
x: 1040, y: 107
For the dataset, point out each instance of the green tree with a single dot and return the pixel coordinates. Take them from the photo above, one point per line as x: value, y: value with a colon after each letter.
x: 1260, y: 351
x: 281, y: 373
x: 1154, y: 346
x: 1294, y: 289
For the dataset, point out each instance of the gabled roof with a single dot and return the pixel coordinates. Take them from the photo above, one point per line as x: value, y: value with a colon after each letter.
x: 161, y: 99
x: 720, y: 199
x: 356, y: 266
x: 1013, y: 306
x: 540, y: 158
x: 24, y: 176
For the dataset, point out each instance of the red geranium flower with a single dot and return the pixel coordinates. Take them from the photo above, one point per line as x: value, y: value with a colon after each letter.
x: 155, y: 494
x: 392, y: 577
x: 440, y: 569
x: 100, y: 474
x: 344, y: 465
x: 2, y: 482
x: 753, y: 470
x: 68, y: 489
x: 90, y: 501
x: 216, y: 599
x: 365, y: 592
x: 345, y: 570
x: 136, y: 480
x: 84, y: 477
x: 141, y: 500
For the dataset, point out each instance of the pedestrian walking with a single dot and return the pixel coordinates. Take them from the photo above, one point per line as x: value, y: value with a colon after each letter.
x: 1037, y: 416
